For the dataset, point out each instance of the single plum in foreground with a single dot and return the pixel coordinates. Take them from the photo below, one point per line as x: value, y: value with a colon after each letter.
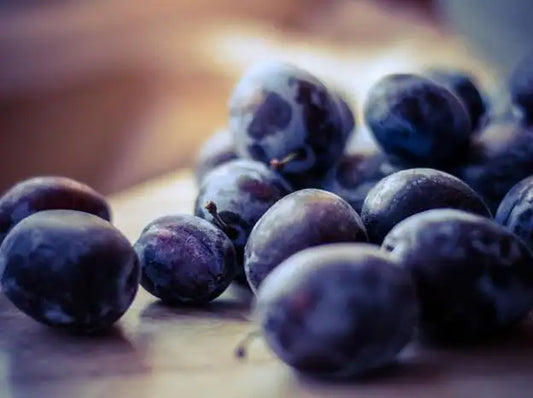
x: 185, y: 260
x: 69, y: 269
x: 337, y: 310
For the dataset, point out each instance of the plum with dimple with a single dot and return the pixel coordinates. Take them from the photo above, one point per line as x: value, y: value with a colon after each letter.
x: 516, y: 211
x: 302, y: 219
x: 417, y: 120
x: 337, y: 310
x: 474, y: 278
x: 185, y: 260
x: 217, y: 150
x: 412, y: 191
x: 282, y: 115
x: 48, y: 193
x: 237, y: 194
x: 69, y: 269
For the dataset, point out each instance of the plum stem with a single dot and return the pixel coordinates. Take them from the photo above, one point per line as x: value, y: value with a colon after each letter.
x: 242, y: 346
x: 211, y: 207
x: 277, y: 164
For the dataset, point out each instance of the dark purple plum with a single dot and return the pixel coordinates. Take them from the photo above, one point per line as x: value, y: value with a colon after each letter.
x: 500, y: 157
x: 417, y: 120
x: 185, y: 260
x: 302, y: 219
x: 69, y: 269
x: 521, y: 88
x: 463, y: 85
x: 337, y: 310
x: 474, y: 278
x: 412, y: 191
x: 516, y: 211
x: 238, y: 193
x: 284, y: 116
x: 48, y: 193
x: 217, y: 150
x: 356, y: 174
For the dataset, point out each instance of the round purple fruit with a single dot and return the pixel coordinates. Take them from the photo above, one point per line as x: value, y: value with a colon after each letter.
x: 235, y: 195
x: 69, y: 269
x: 303, y: 219
x: 48, y: 193
x: 474, y: 278
x: 337, y: 310
x: 464, y: 87
x: 185, y: 260
x: 417, y: 120
x: 283, y: 116
x: 412, y: 191
x: 499, y: 158
x: 516, y: 211
x: 217, y: 150
x: 356, y: 174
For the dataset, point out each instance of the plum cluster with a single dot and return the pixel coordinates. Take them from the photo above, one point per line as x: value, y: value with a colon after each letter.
x: 350, y: 251
x: 61, y: 260
x: 422, y: 199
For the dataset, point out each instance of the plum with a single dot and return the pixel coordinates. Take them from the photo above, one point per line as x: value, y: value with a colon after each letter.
x: 69, y: 269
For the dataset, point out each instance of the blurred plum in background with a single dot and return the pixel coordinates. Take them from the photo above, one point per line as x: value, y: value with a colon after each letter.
x: 113, y: 93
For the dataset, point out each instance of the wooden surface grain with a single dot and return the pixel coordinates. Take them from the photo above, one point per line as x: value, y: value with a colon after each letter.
x: 159, y: 351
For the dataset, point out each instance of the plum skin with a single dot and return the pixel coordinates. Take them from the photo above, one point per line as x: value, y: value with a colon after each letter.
x: 242, y: 190
x: 412, y: 191
x: 516, y: 211
x: 356, y: 174
x: 278, y: 110
x: 337, y: 310
x: 474, y: 278
x: 217, y: 150
x: 417, y: 120
x: 185, y: 260
x: 500, y: 156
x: 48, y: 193
x: 305, y: 218
x: 464, y: 87
x: 69, y: 269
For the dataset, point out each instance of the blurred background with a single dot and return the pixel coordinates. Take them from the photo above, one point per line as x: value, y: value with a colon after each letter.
x: 114, y: 92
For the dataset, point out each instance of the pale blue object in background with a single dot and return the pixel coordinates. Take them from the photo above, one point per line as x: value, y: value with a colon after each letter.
x: 500, y: 31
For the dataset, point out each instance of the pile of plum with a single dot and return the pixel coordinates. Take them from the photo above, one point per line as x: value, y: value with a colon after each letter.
x: 350, y: 251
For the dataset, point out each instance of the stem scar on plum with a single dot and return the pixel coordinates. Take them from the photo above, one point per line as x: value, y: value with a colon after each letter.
x: 211, y: 207
x: 278, y: 164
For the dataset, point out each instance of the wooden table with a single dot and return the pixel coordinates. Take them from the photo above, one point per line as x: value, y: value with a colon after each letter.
x: 157, y: 351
